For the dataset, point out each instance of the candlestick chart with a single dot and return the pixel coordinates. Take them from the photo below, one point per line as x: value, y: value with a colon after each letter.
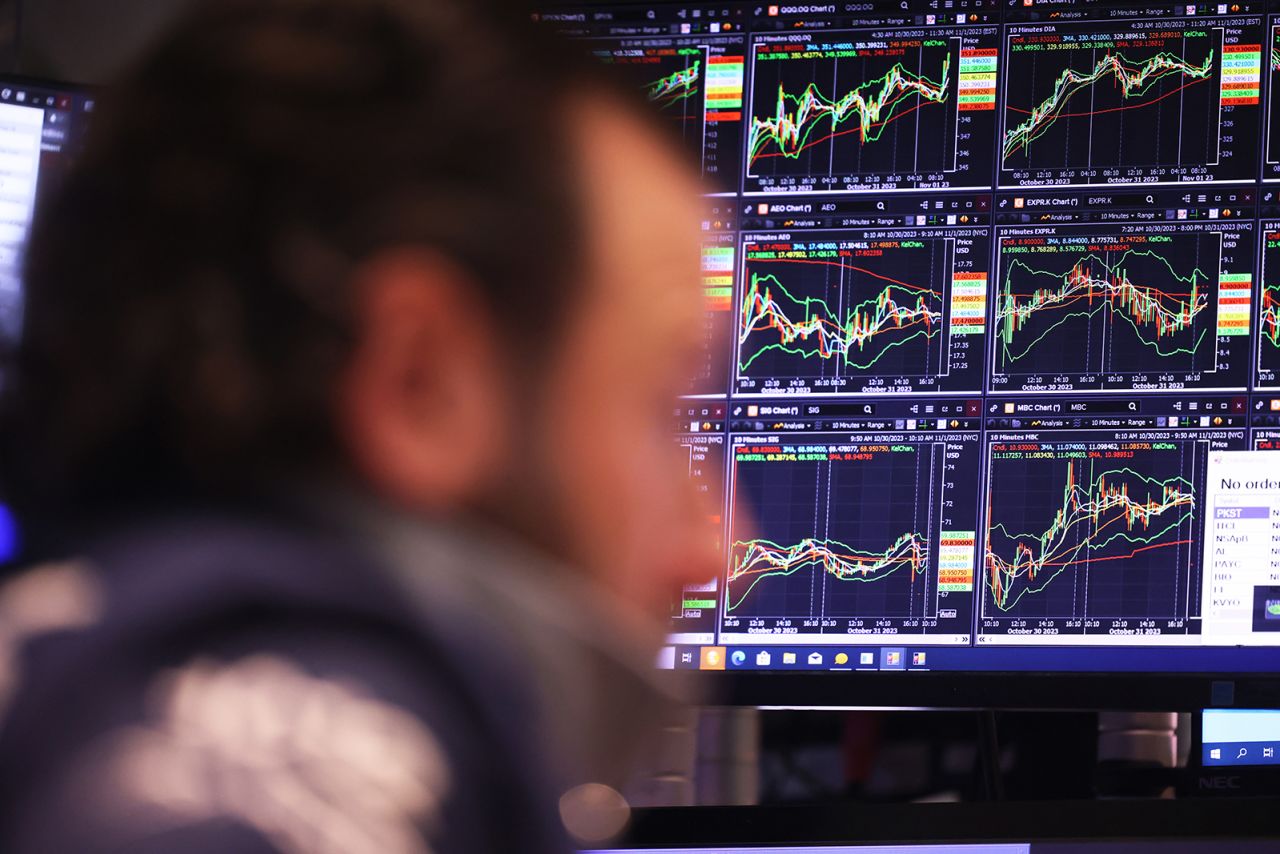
x: 1106, y: 533
x: 821, y: 116
x: 829, y: 530
x: 673, y: 80
x: 1094, y: 91
x: 835, y: 316
x: 1100, y: 104
x: 1113, y: 305
x: 695, y: 84
x: 678, y: 86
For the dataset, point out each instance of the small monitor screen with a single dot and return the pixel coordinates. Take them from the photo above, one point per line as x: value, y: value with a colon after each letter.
x: 42, y: 127
x: 1240, y: 737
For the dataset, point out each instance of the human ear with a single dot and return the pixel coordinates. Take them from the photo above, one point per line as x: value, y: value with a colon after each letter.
x: 421, y: 407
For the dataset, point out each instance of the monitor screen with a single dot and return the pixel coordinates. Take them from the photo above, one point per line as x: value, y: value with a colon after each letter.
x: 992, y: 352
x: 1240, y: 737
x: 42, y: 127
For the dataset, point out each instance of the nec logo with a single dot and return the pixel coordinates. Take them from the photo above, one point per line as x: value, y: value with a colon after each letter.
x: 1220, y: 783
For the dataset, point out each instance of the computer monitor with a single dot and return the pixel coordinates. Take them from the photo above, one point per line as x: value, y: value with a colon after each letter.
x: 42, y: 126
x: 992, y: 378
x: 1235, y: 753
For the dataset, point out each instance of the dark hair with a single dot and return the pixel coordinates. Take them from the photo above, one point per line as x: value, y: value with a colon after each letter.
x: 186, y: 310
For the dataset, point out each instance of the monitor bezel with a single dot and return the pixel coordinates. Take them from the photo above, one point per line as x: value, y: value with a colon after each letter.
x: 1156, y: 820
x: 1004, y: 690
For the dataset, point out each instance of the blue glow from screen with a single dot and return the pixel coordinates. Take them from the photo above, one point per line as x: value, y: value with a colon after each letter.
x: 8, y: 535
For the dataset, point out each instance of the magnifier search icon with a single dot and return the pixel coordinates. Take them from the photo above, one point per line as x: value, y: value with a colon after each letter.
x: 1133, y: 407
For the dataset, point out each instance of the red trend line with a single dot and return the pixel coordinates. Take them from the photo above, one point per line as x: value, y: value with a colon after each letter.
x: 833, y: 135
x: 1115, y: 109
x: 1118, y: 557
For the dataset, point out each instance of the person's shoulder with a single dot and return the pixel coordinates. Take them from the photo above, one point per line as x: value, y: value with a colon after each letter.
x: 218, y: 683
x: 309, y: 740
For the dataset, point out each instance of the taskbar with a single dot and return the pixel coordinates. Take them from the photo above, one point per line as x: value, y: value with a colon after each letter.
x: 826, y: 657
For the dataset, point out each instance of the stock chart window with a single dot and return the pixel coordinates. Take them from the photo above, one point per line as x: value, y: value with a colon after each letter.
x: 1129, y: 291
x: 991, y: 295
x: 863, y: 297
x: 862, y: 110
x: 1116, y: 101
x: 689, y: 67
x: 697, y: 83
x: 852, y: 520
x: 1094, y: 517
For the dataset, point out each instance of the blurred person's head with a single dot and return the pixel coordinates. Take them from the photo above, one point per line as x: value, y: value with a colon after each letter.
x: 412, y: 246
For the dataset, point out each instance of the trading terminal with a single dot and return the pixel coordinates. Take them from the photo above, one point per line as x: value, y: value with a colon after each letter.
x: 987, y: 413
